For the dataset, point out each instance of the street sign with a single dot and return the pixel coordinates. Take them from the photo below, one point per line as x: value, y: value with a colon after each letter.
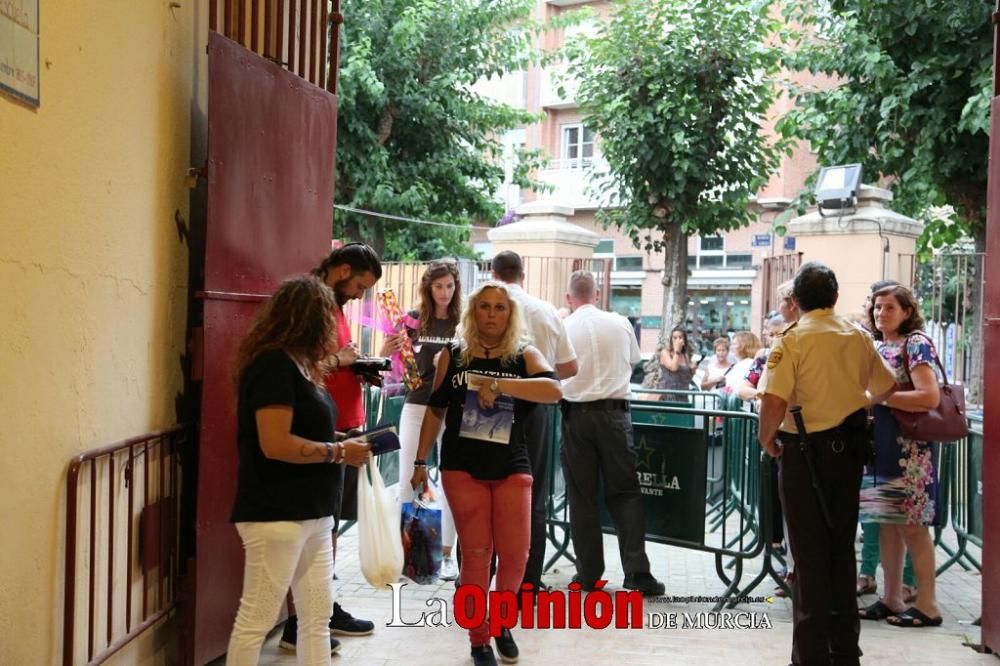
x: 790, y: 243
x: 761, y: 240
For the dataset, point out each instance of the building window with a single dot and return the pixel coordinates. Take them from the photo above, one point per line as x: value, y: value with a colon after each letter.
x: 605, y: 246
x: 739, y: 260
x: 577, y: 146
x: 626, y: 301
x: 692, y: 261
x: 628, y: 263
x: 711, y: 260
x: 711, y: 244
x: 717, y: 312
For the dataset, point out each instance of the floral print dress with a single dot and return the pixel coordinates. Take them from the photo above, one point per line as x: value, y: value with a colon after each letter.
x: 901, y: 485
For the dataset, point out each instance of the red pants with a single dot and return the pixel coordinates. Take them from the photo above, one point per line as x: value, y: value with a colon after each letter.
x: 490, y: 515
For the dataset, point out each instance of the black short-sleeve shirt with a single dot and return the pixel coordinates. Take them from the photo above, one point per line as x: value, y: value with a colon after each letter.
x: 270, y: 490
x: 483, y: 460
x: 425, y: 347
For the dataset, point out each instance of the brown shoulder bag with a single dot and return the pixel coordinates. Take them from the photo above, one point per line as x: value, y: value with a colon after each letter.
x: 946, y: 423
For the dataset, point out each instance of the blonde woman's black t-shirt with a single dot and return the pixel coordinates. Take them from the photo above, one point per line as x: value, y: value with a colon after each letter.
x: 486, y: 461
x: 271, y: 490
x: 441, y: 333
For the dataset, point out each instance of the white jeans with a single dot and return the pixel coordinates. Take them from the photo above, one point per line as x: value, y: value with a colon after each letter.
x: 409, y: 440
x: 278, y: 555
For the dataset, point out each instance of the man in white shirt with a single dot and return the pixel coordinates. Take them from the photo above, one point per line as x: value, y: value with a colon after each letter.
x: 597, y: 441
x: 549, y: 336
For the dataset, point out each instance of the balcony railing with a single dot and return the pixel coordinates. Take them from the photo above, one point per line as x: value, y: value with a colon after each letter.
x: 552, y: 77
x: 576, y: 182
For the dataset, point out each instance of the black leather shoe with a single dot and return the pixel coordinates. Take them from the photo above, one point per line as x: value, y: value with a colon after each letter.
x: 588, y: 585
x: 506, y: 647
x: 644, y: 582
x: 482, y: 655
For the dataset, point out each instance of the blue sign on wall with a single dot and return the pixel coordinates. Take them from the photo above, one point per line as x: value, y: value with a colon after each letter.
x: 790, y: 242
x: 761, y: 240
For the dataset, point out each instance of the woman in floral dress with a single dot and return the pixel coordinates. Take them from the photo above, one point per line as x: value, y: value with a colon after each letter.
x: 900, y: 489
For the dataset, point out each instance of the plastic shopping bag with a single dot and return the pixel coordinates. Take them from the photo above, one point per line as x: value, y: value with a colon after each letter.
x: 379, y: 545
x: 421, y: 532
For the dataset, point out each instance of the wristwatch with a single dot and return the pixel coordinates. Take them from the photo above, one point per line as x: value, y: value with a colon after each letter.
x: 495, y: 387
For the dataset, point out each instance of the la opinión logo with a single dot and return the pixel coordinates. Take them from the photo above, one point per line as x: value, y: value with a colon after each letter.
x: 555, y: 609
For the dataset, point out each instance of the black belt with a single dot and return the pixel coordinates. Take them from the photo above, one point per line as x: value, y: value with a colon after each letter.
x: 851, y: 427
x: 596, y: 406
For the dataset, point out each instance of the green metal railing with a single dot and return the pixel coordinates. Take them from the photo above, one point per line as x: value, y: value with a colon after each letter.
x: 676, y: 477
x: 960, y: 497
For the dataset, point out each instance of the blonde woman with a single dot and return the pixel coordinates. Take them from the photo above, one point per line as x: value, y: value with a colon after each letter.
x: 484, y: 463
x: 745, y: 347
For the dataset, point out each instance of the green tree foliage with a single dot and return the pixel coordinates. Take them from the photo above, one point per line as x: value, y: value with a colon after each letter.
x: 910, y: 100
x: 414, y: 138
x: 677, y: 91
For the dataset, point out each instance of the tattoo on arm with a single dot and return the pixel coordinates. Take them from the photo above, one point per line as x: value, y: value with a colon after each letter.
x: 311, y: 451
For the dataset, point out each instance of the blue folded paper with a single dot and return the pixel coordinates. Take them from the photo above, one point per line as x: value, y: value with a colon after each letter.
x: 383, y: 439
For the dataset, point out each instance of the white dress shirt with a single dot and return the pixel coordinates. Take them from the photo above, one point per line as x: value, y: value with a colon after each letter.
x: 608, y: 349
x: 545, y: 327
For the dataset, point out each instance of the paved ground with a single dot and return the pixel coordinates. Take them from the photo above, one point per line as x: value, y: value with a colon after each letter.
x: 685, y: 573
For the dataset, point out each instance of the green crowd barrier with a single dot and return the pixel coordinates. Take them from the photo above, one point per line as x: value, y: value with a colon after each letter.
x: 960, y: 474
x: 675, y: 445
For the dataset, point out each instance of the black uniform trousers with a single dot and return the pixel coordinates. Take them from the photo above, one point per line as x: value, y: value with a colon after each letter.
x: 824, y: 605
x: 597, y: 444
x: 536, y: 432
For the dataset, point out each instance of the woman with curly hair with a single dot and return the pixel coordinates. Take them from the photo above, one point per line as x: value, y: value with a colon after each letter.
x: 900, y: 492
x: 485, y: 466
x: 287, y: 484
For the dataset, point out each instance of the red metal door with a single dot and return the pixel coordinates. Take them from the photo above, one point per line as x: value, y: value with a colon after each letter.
x: 991, y: 380
x: 271, y: 148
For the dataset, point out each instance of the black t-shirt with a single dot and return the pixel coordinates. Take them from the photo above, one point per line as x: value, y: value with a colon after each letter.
x: 425, y: 348
x: 483, y: 460
x: 270, y: 490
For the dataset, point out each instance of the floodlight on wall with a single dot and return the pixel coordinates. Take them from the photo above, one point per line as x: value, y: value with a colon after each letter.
x: 837, y: 189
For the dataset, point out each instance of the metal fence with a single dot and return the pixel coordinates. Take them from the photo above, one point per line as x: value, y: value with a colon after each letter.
x: 776, y: 271
x: 949, y: 288
x: 122, y: 505
x: 705, y: 486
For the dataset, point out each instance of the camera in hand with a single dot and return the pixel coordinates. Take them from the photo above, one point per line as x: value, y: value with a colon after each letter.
x: 371, y: 366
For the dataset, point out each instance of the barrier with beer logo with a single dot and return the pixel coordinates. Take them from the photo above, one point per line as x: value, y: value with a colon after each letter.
x: 673, y: 442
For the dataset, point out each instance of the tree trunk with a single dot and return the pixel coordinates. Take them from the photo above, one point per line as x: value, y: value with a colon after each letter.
x: 675, y: 279
x: 675, y: 297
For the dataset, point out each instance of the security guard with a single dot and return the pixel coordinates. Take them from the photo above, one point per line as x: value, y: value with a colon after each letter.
x: 831, y: 370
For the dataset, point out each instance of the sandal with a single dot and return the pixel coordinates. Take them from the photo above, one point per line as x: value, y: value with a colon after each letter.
x: 877, y: 611
x: 867, y: 585
x: 913, y: 618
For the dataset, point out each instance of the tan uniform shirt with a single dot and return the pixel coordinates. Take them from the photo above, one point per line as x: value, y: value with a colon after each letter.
x: 824, y: 364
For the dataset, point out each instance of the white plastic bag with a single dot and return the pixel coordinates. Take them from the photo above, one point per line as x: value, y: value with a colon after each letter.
x: 379, y: 545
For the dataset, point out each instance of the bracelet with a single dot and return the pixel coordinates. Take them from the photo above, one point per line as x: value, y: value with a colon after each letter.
x: 340, y: 453
x: 419, y: 463
x: 329, y: 452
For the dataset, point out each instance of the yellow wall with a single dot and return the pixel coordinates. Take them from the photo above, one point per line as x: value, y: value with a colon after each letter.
x: 858, y: 260
x: 94, y: 276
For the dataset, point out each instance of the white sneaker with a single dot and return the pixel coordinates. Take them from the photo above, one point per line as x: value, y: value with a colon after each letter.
x: 449, y: 570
